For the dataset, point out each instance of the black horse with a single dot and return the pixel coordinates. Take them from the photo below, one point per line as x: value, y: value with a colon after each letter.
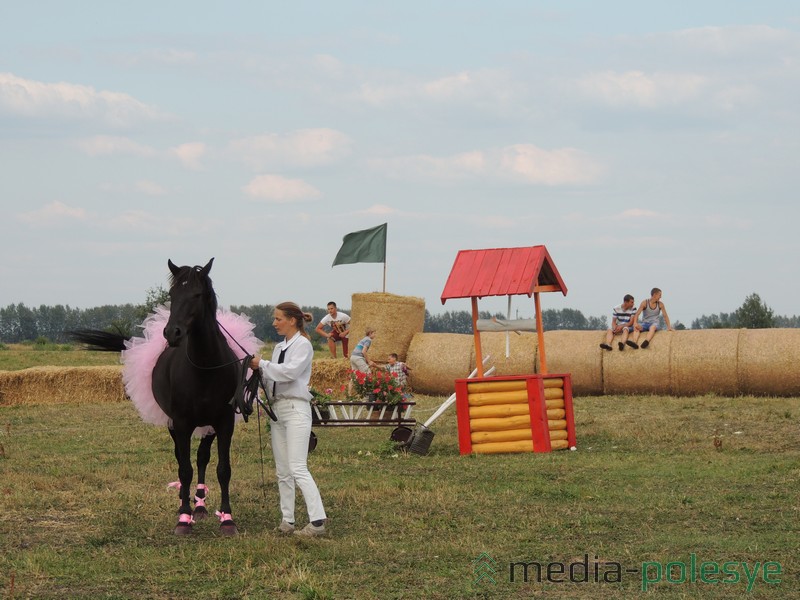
x: 194, y: 380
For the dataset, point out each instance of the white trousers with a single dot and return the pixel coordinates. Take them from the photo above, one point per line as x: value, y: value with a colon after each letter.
x: 290, y: 448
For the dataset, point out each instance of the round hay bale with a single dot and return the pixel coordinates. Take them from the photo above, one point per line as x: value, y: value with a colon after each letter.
x: 577, y: 353
x: 703, y: 361
x: 330, y: 373
x: 643, y: 371
x: 395, y: 318
x: 437, y: 360
x: 521, y: 358
x: 768, y: 360
x: 62, y: 385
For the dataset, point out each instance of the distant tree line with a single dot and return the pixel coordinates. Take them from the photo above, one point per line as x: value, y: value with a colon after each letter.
x: 461, y: 321
x: 752, y: 314
x: 19, y: 323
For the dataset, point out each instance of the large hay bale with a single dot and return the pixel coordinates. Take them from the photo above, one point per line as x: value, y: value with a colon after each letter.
x: 437, y: 360
x: 703, y: 361
x: 768, y: 360
x: 61, y: 385
x: 643, y: 371
x: 521, y: 358
x: 395, y: 318
x: 330, y: 373
x: 577, y: 353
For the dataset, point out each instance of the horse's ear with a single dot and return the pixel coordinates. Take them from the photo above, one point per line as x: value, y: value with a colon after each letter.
x: 207, y: 268
x: 175, y: 270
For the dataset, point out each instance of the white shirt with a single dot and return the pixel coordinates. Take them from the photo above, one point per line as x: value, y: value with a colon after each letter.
x: 293, y: 374
x: 339, y: 318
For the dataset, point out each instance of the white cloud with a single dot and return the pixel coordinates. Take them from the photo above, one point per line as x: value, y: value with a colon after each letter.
x: 53, y: 213
x: 520, y: 163
x: 448, y: 87
x: 639, y: 89
x: 301, y: 148
x: 150, y: 188
x: 733, y: 40
x: 380, y: 209
x: 189, y: 154
x: 36, y: 99
x: 275, y: 188
x: 106, y: 145
x: 551, y: 167
x: 487, y: 88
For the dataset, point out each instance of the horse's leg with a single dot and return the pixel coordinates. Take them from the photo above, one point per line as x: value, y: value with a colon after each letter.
x: 183, y: 447
x: 224, y: 437
x: 203, y: 457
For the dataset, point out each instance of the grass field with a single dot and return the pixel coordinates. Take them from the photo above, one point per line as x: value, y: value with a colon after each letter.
x: 14, y: 357
x: 85, y: 513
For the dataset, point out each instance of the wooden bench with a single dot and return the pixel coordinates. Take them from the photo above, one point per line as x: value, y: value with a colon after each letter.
x: 362, y: 414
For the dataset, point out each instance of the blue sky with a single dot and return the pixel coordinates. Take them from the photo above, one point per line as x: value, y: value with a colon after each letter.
x: 645, y: 144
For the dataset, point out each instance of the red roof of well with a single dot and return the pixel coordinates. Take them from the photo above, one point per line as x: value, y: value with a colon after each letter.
x: 502, y: 272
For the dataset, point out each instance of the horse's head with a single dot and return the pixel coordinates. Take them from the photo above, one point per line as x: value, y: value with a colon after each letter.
x: 192, y: 300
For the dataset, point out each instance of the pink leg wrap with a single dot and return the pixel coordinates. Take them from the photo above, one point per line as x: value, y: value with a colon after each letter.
x: 224, y: 516
x: 184, y: 518
x: 198, y: 501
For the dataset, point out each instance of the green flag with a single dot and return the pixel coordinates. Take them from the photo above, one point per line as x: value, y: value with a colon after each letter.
x: 365, y: 246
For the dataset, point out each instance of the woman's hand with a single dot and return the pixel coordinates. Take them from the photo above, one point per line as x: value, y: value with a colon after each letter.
x: 254, y: 363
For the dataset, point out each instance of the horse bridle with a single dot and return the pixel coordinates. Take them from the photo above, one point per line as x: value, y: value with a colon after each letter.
x: 246, y: 392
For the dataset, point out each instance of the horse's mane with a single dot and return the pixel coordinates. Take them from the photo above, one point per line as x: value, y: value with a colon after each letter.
x: 192, y: 274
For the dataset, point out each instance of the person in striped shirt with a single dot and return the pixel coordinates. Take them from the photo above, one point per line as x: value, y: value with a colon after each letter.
x: 622, y: 322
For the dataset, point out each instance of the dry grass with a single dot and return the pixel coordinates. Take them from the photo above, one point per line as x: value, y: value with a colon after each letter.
x: 330, y: 373
x: 86, y: 513
x: 62, y: 385
x: 395, y: 318
x: 438, y: 359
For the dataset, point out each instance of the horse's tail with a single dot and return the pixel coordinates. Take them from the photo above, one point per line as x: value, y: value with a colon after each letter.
x: 100, y: 340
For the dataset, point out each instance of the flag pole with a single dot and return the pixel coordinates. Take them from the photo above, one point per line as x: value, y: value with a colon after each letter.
x: 384, y: 276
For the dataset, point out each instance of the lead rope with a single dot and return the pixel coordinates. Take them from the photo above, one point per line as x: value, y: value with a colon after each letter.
x: 261, y: 457
x: 249, y: 394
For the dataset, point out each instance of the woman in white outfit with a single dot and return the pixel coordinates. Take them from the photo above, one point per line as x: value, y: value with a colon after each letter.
x: 286, y: 379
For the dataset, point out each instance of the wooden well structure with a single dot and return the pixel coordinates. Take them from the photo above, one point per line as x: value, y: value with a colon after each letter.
x: 510, y: 413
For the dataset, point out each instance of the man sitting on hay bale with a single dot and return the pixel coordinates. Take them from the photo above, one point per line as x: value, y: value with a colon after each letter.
x: 650, y: 310
x: 622, y: 322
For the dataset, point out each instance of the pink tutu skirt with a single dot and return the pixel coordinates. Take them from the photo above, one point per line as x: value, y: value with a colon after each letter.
x: 141, y: 353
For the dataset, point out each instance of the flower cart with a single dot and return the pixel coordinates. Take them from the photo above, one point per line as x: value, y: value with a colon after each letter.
x: 373, y: 400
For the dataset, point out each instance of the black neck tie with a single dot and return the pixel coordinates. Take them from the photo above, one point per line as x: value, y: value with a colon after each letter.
x: 280, y: 360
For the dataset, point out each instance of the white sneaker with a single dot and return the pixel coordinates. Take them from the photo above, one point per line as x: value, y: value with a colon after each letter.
x: 285, y: 527
x: 311, y: 530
